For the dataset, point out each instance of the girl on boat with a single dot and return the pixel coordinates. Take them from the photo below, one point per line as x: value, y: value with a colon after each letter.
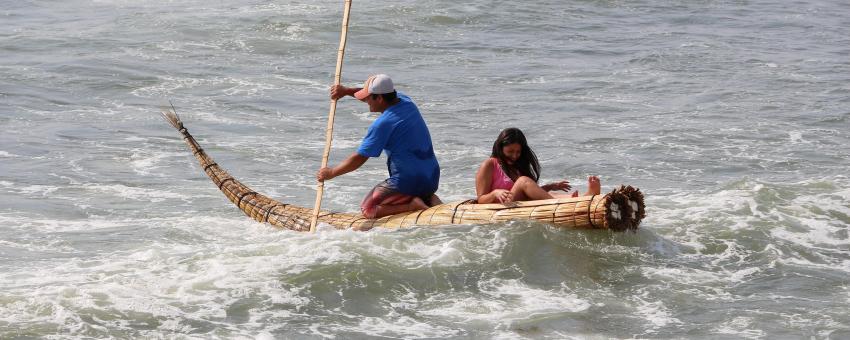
x: 512, y: 171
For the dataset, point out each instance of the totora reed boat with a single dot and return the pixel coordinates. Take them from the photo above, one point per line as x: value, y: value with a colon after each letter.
x: 619, y: 210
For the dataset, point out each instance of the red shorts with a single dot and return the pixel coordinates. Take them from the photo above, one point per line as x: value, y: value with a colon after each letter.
x: 382, y: 194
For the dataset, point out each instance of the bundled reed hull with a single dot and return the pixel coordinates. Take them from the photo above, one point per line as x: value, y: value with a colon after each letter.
x: 621, y: 209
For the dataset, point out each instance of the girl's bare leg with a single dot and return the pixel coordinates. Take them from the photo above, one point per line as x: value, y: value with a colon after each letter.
x: 594, y: 187
x: 526, y: 189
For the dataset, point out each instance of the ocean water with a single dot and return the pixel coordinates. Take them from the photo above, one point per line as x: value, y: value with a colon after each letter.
x: 733, y: 117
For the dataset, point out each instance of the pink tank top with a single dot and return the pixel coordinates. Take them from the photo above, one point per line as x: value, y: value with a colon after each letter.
x: 500, y: 180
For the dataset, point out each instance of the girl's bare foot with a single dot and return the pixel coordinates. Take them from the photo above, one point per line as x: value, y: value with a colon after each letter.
x: 594, y: 187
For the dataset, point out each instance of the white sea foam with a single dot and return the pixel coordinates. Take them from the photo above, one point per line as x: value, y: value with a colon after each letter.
x: 682, y: 275
x: 820, y: 234
x: 535, y: 80
x: 506, y: 301
x: 145, y: 161
x: 37, y: 245
x: 734, y: 209
x: 798, y: 222
x: 828, y: 263
x: 740, y: 326
x: 135, y: 193
x: 232, y: 85
x: 161, y: 280
x: 796, y: 136
x: 248, y: 88
x: 62, y: 225
x: 808, y: 227
x: 292, y: 32
x: 207, y: 278
x: 302, y: 82
x: 292, y: 8
x: 400, y: 326
x: 38, y: 190
x: 653, y: 310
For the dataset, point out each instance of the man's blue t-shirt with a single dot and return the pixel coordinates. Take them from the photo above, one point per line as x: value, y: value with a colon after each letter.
x: 401, y: 131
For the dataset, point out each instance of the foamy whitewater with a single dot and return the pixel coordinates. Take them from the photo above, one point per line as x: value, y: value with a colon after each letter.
x: 733, y: 117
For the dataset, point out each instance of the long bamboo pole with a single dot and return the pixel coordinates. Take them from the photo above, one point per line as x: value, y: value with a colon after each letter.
x: 329, y: 131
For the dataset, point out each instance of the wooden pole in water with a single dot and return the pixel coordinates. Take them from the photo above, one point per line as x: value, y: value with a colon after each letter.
x: 329, y: 132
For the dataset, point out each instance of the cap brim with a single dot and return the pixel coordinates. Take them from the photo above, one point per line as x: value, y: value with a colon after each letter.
x: 362, y: 94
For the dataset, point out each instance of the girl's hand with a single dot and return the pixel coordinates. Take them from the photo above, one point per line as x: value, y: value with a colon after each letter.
x: 503, y: 196
x: 562, y: 185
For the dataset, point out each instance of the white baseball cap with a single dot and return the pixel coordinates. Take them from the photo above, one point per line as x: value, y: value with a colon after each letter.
x: 376, y: 84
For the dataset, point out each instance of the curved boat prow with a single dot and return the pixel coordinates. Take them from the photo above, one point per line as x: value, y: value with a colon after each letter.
x: 259, y: 207
x: 621, y: 209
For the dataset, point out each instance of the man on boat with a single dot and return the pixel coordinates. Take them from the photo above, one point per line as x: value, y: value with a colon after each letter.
x: 400, y: 130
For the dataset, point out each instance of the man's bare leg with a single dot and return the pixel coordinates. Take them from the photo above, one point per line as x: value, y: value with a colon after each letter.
x: 396, y: 208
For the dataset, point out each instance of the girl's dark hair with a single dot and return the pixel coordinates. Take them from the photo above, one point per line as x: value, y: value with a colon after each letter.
x: 526, y: 165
